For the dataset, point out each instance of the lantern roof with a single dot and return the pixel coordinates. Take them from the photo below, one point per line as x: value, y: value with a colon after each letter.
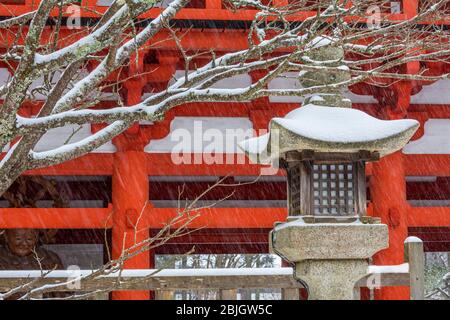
x: 329, y: 129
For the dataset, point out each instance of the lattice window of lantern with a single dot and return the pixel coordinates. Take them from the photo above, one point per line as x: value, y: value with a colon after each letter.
x: 333, y: 190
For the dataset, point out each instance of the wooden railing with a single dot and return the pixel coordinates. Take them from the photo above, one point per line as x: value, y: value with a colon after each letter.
x: 164, y: 282
x: 227, y: 281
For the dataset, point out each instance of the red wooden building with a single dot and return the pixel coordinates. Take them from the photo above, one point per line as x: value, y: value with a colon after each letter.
x: 409, y: 190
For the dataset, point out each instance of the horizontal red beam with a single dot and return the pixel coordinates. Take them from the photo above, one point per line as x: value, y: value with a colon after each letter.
x: 428, y: 217
x: 194, y: 40
x: 208, y: 109
x: 187, y: 13
x: 207, y: 13
x: 245, y: 109
x: 55, y: 218
x: 221, y: 217
x: 433, y: 111
x: 161, y: 164
x: 427, y: 164
x: 99, y: 218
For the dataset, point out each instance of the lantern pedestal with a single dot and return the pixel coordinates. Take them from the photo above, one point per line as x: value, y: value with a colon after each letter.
x: 331, y: 279
x: 329, y: 257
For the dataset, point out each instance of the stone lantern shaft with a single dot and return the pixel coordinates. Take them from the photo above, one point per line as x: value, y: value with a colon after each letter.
x: 329, y: 70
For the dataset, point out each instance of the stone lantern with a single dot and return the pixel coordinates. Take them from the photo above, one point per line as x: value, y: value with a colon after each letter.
x: 324, y: 147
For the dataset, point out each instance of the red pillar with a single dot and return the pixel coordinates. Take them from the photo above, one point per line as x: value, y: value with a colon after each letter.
x: 129, y: 196
x: 410, y: 7
x: 130, y: 191
x: 388, y: 193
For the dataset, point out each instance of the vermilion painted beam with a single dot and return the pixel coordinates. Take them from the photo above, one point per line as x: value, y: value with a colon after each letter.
x: 194, y: 40
x: 162, y: 164
x: 221, y: 217
x: 207, y: 109
x: 428, y: 217
x: 100, y: 218
x: 55, y: 218
x: 188, y: 13
x: 427, y: 164
x: 159, y: 164
x: 238, y: 218
x: 244, y: 109
x: 232, y: 109
x: 433, y: 111
x: 219, y: 39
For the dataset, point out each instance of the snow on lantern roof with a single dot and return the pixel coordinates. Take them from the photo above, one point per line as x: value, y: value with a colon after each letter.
x: 329, y: 129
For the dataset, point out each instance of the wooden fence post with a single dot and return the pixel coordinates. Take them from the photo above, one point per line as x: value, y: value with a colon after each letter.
x: 290, y: 294
x: 230, y: 294
x: 164, y: 295
x: 415, y: 256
